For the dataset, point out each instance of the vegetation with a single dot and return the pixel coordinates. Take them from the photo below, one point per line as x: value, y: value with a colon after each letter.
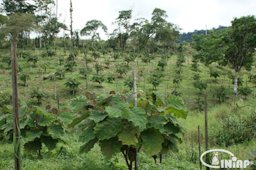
x: 76, y: 97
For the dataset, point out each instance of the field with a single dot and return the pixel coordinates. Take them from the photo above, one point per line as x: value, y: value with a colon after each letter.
x: 42, y: 77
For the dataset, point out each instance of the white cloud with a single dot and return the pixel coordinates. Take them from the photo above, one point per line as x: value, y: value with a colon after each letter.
x: 188, y: 14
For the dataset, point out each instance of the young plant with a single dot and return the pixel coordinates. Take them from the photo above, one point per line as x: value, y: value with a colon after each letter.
x: 72, y: 84
x: 98, y: 79
x: 24, y: 77
x: 39, y: 95
x: 155, y: 78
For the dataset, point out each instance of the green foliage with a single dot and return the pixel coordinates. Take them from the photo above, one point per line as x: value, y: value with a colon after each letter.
x: 120, y: 128
x: 110, y: 79
x: 72, y: 84
x: 98, y: 68
x: 69, y: 66
x: 84, y: 72
x: 221, y: 94
x: 122, y: 69
x: 59, y: 74
x: 214, y: 72
x: 32, y: 59
x: 24, y: 77
x: 201, y: 85
x: 37, y: 127
x: 244, y: 91
x: 234, y: 127
x: 39, y: 95
x: 129, y: 83
x: 98, y: 78
x: 155, y: 78
x: 91, y: 29
x: 162, y: 63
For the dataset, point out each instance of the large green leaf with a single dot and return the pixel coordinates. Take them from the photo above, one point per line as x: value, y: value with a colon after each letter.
x: 175, y: 106
x: 88, y: 146
x: 138, y: 117
x: 129, y: 136
x: 170, y: 128
x: 87, y: 134
x: 49, y: 142
x: 152, y: 141
x: 108, y: 128
x: 120, y: 109
x: 110, y: 147
x: 156, y: 121
x: 79, y: 119
x: 31, y: 135
x: 97, y: 116
x: 56, y: 131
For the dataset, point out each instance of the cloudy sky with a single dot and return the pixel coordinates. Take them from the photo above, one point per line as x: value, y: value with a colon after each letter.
x: 187, y: 14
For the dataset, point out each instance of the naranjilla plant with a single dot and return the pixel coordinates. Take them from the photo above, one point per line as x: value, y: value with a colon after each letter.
x: 37, y: 127
x: 117, y: 126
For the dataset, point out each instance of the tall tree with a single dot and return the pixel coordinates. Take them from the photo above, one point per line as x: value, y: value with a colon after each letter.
x: 51, y: 28
x: 15, y: 24
x: 92, y: 29
x: 19, y: 19
x: 124, y: 27
x: 233, y: 46
x: 241, y: 45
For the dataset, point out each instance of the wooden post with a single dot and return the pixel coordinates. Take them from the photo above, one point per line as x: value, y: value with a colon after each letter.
x: 135, y: 105
x: 199, y: 146
x: 206, y: 128
x: 16, y: 128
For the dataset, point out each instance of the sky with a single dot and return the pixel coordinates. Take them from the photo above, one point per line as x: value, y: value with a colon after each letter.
x: 189, y: 15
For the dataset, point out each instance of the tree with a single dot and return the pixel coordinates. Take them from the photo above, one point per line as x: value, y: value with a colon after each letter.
x: 51, y: 28
x: 124, y: 27
x: 233, y: 46
x: 15, y: 24
x: 91, y: 29
x: 241, y: 45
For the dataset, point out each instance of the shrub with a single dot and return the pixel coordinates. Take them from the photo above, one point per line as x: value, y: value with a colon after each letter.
x: 244, y: 91
x: 234, y: 127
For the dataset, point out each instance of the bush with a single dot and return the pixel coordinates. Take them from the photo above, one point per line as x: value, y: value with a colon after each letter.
x: 244, y: 91
x: 235, y: 126
x: 221, y: 94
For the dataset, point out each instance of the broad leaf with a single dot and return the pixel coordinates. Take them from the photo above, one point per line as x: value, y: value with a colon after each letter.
x: 79, y: 119
x: 108, y: 128
x: 97, y: 116
x: 55, y: 130
x: 88, y: 146
x: 129, y: 136
x: 31, y: 135
x: 152, y: 141
x: 110, y: 147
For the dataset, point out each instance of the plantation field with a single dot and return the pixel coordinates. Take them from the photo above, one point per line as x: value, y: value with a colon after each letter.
x: 231, y: 119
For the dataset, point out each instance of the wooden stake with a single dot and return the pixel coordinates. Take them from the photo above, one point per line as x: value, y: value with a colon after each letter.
x: 199, y: 146
x: 16, y: 128
x: 206, y: 128
x: 135, y: 105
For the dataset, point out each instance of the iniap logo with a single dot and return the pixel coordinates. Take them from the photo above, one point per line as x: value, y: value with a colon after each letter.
x: 216, y: 163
